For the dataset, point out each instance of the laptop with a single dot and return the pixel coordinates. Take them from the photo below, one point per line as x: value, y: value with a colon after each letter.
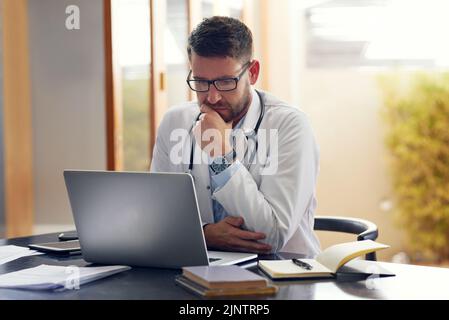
x: 141, y: 219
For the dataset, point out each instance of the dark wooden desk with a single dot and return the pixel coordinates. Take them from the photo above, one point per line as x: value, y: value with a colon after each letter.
x: 411, y: 282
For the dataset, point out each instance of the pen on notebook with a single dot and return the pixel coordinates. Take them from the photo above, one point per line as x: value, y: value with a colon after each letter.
x: 302, y: 264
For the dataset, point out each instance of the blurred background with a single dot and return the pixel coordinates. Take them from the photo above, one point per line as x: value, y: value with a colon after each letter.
x: 85, y: 83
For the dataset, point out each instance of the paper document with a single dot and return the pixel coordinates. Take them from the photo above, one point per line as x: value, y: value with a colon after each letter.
x: 11, y: 252
x: 46, y: 277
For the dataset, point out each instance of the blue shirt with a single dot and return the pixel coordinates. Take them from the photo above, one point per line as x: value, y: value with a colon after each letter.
x: 217, y: 181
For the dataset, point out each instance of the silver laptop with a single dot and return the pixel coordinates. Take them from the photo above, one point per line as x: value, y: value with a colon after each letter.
x: 141, y: 219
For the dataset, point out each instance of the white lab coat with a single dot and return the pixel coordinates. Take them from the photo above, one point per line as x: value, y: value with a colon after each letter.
x: 281, y: 205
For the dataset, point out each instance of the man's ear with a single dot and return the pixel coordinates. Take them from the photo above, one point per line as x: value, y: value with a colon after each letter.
x: 254, y: 72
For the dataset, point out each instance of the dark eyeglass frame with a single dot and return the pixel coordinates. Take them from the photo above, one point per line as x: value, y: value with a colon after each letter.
x: 190, y: 82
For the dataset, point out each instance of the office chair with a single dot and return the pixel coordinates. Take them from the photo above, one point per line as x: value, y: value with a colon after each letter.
x: 364, y: 229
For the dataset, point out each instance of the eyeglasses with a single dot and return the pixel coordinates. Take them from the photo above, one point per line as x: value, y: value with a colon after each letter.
x: 226, y: 84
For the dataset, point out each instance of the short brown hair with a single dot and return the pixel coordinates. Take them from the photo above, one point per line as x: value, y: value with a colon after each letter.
x: 221, y: 37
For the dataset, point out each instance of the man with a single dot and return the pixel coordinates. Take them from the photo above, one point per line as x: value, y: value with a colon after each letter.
x: 243, y: 207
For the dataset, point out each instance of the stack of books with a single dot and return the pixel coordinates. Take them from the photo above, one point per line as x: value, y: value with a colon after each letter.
x: 223, y: 281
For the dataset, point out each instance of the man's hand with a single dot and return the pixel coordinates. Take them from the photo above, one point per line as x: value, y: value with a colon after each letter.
x: 219, y: 144
x: 227, y: 235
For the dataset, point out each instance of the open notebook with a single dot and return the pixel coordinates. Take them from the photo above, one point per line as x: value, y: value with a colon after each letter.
x: 325, y: 265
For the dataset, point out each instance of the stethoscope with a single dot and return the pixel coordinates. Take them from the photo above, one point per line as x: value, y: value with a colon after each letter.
x: 249, y: 135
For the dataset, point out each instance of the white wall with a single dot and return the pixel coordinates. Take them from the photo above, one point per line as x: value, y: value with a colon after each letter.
x: 68, y: 102
x: 343, y: 107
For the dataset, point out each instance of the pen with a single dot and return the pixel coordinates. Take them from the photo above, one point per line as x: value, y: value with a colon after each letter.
x: 302, y: 264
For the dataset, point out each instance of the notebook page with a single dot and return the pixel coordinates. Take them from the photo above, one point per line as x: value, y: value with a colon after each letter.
x: 287, y: 269
x: 337, y: 255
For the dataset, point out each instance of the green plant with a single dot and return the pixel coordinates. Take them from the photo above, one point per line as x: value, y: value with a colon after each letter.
x: 416, y: 112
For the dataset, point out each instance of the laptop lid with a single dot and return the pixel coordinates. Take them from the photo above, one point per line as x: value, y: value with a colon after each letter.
x: 137, y: 218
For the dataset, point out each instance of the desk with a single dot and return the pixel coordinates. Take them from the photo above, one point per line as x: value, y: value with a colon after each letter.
x: 411, y: 282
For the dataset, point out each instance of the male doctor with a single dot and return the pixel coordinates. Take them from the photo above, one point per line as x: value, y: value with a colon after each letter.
x: 262, y: 205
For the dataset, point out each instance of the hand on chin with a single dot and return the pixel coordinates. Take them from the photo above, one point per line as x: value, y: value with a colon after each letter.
x: 218, y: 138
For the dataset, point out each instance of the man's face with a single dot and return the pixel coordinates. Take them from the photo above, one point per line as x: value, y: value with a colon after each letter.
x: 228, y: 104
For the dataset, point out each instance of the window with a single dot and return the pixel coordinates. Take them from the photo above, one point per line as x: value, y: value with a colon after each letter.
x: 176, y: 61
x: 131, y: 38
x: 146, y: 67
x: 231, y: 8
x: 358, y: 33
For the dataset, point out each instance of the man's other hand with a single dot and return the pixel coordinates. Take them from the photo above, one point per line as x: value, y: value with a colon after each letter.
x: 227, y: 235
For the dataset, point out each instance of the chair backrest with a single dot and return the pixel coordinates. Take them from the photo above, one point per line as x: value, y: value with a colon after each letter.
x: 364, y: 229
